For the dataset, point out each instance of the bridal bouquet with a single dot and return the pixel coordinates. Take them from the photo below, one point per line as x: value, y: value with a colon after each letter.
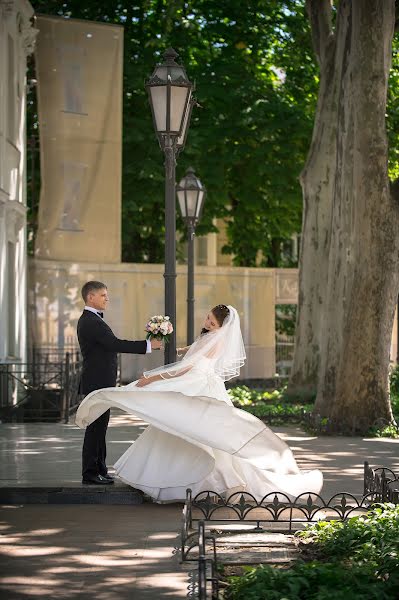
x: 159, y: 327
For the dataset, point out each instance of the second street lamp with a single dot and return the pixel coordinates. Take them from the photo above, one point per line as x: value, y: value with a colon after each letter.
x: 191, y: 196
x: 170, y: 95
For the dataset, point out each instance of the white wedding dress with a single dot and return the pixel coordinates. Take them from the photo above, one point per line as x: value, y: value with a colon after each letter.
x: 197, y: 439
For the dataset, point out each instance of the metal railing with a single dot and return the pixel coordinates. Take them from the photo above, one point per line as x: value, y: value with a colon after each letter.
x: 40, y: 390
x: 285, y: 346
x: 205, y: 564
x: 275, y: 510
x: 382, y: 482
x: 51, y: 353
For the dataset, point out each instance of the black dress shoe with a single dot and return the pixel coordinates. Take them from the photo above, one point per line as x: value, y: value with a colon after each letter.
x: 97, y: 480
x: 107, y: 476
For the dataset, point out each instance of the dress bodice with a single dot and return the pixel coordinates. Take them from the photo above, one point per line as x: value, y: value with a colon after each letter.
x: 205, y: 365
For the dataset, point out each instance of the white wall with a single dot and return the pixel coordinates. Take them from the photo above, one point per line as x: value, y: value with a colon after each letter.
x: 16, y: 42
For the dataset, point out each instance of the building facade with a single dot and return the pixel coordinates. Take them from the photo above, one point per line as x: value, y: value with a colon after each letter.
x: 17, y: 37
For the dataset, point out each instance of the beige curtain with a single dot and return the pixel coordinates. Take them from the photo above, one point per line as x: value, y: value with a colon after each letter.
x: 79, y: 70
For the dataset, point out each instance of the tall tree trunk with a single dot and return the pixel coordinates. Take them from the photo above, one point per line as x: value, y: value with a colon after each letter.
x: 357, y: 274
x: 317, y: 180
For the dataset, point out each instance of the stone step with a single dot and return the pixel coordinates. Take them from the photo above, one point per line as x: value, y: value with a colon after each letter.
x: 118, y: 494
x: 252, y: 548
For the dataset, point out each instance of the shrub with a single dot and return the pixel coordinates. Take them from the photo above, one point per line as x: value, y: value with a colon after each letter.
x: 312, y: 581
x: 372, y: 539
x: 357, y: 559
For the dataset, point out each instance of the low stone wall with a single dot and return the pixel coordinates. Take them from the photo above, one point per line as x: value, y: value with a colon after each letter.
x: 137, y: 292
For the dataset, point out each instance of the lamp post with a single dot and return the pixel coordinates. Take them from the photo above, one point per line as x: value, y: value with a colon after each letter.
x: 170, y: 96
x: 191, y: 196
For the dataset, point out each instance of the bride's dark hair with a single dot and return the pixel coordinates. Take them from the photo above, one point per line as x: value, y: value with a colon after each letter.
x: 220, y: 312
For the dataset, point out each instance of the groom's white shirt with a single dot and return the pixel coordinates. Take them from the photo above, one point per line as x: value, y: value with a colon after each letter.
x: 95, y: 311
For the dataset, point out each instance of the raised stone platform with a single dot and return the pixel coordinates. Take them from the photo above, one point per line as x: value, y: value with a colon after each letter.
x: 71, y: 494
x: 41, y: 462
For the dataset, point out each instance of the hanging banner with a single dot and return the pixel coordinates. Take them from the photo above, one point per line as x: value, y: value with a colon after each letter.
x: 80, y: 78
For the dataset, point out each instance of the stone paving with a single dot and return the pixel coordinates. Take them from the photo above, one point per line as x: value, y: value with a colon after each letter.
x: 116, y: 552
x: 90, y: 552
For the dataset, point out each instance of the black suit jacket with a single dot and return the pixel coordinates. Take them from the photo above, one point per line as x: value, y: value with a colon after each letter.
x: 99, y: 348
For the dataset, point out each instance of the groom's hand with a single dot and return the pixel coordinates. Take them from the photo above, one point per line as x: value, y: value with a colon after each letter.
x: 156, y: 344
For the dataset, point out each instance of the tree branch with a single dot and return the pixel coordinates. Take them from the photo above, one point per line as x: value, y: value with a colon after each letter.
x: 319, y: 12
x: 396, y: 16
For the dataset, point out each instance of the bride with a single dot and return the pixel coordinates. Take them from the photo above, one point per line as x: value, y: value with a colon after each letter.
x: 196, y: 438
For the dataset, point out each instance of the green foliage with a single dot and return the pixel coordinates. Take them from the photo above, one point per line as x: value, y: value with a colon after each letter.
x: 244, y: 396
x: 275, y: 406
x: 394, y: 383
x: 278, y: 413
x: 359, y: 559
x: 286, y: 319
x: 391, y: 430
x: 279, y: 406
x: 256, y: 81
x: 312, y: 581
x: 372, y: 539
x: 393, y: 113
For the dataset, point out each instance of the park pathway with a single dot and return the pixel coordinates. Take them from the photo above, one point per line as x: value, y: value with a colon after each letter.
x: 118, y: 552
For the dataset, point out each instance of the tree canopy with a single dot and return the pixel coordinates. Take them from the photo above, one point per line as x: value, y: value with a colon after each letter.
x: 256, y: 83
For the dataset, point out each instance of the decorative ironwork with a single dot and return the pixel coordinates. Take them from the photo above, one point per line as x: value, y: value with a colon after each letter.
x: 380, y: 485
x: 40, y: 390
x: 203, y: 563
x: 274, y: 508
x: 382, y: 482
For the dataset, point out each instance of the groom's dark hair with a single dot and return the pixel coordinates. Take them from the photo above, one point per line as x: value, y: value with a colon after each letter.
x: 92, y: 286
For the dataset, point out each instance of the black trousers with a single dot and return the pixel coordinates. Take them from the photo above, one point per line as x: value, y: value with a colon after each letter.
x: 94, y: 449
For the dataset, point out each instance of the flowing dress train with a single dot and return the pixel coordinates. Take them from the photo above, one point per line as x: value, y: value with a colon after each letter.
x: 197, y: 439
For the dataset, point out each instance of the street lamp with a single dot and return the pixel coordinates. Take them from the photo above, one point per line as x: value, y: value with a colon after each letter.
x: 191, y: 196
x: 170, y: 95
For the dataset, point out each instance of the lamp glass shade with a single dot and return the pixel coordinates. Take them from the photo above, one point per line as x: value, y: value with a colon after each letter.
x: 200, y: 204
x: 191, y: 203
x: 191, y: 195
x: 179, y: 99
x: 181, y: 140
x: 181, y: 196
x: 170, y: 96
x: 158, y: 101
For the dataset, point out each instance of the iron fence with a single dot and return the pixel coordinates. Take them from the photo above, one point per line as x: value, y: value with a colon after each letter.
x: 207, y: 568
x: 276, y: 511
x: 51, y: 353
x: 284, y: 355
x: 382, y: 482
x: 40, y: 390
x: 44, y: 389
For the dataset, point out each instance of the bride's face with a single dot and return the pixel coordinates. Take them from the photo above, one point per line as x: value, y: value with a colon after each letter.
x: 211, y: 322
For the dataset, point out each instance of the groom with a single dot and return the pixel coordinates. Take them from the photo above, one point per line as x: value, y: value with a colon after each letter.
x: 99, y: 348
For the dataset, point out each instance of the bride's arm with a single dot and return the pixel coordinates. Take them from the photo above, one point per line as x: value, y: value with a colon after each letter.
x: 143, y: 381
x: 181, y: 351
